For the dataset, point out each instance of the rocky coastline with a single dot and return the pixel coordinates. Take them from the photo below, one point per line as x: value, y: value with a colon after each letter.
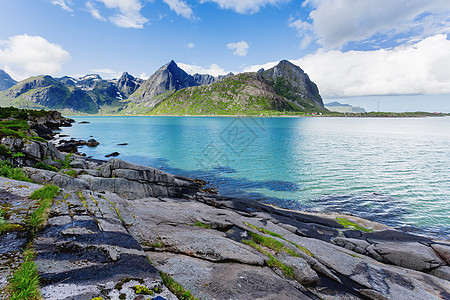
x: 117, y: 230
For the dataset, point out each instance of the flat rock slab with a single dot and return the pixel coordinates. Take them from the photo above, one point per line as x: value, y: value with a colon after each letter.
x: 387, y: 281
x: 207, y: 280
x: 85, y: 252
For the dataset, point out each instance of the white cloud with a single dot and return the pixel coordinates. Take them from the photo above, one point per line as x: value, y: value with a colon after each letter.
x: 23, y: 56
x: 336, y: 23
x: 240, y: 48
x: 144, y: 76
x: 63, y: 3
x: 244, y: 6
x: 94, y: 11
x: 422, y: 68
x: 130, y: 13
x: 191, y: 45
x: 181, y: 8
x: 213, y: 69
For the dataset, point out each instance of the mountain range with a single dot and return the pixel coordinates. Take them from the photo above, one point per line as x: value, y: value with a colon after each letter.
x: 169, y: 91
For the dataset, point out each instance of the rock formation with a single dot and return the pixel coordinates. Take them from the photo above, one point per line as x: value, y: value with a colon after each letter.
x: 6, y: 81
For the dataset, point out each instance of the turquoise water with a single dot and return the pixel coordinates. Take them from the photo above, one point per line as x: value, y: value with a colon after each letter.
x: 392, y: 170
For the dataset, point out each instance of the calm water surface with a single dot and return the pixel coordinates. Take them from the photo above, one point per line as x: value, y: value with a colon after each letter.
x: 391, y: 170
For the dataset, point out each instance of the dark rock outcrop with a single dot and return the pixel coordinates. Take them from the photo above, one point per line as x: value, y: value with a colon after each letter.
x: 128, y: 84
x: 203, y: 79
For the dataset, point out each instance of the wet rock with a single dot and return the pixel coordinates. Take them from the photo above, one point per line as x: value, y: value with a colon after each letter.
x: 92, y: 143
x: 68, y: 147
x: 122, y: 144
x: 83, y: 122
x: 112, y: 154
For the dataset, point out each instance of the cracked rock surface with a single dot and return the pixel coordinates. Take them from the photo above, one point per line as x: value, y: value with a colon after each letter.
x: 118, y: 225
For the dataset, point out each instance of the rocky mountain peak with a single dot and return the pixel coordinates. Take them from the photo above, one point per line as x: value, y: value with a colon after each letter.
x: 6, y: 81
x: 128, y: 84
x: 168, y: 78
x: 291, y: 82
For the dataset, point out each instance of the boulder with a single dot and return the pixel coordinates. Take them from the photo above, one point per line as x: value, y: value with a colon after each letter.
x: 92, y: 143
x: 443, y: 250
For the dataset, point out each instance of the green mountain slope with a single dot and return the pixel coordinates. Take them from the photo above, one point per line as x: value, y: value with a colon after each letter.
x: 246, y: 93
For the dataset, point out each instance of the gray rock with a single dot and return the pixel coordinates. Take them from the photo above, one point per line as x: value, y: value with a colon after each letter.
x: 443, y: 250
x: 442, y: 272
x: 390, y: 281
x: 302, y: 271
x: 356, y: 245
x: 207, y: 280
x: 411, y: 255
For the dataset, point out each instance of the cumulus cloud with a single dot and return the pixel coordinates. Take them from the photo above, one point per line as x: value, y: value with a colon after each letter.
x: 130, y: 13
x: 213, y: 69
x: 336, y: 23
x: 144, y: 76
x: 240, y: 48
x: 181, y: 8
x: 420, y: 68
x: 64, y: 4
x: 23, y: 56
x: 94, y: 11
x: 244, y: 6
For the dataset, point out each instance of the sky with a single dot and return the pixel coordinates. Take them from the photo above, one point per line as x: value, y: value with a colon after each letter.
x: 359, y: 52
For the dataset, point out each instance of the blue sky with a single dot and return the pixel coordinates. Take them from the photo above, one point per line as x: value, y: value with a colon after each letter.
x: 350, y: 48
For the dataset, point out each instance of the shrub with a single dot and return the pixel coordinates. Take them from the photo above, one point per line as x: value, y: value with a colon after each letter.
x: 7, y: 170
x: 44, y: 166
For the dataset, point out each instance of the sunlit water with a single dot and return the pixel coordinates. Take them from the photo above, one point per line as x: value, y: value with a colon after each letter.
x: 395, y: 171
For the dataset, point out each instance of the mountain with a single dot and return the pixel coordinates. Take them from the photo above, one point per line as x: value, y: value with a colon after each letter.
x: 6, y: 81
x: 127, y: 84
x: 47, y: 92
x: 203, y: 79
x: 292, y: 83
x: 168, y: 78
x: 170, y: 90
x: 246, y: 93
x: 344, y: 108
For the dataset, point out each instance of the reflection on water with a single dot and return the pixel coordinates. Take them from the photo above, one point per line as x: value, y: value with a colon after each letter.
x: 395, y: 171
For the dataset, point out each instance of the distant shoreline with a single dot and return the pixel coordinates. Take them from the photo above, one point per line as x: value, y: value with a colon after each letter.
x: 351, y: 115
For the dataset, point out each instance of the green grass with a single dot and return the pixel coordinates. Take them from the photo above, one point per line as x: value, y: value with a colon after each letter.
x: 44, y: 166
x: 351, y: 225
x: 65, y: 164
x: 24, y: 283
x: 8, y: 170
x: 287, y: 250
x: 45, y: 196
x: 176, y: 288
x: 272, y: 262
x: 200, y: 224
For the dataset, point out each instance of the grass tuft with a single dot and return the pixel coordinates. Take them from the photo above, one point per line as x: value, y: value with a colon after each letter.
x: 176, y: 288
x: 200, y: 224
x: 7, y: 170
x: 45, y: 196
x: 24, y: 283
x: 349, y: 224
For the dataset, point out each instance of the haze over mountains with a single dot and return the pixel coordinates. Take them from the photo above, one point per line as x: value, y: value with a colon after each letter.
x: 170, y: 90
